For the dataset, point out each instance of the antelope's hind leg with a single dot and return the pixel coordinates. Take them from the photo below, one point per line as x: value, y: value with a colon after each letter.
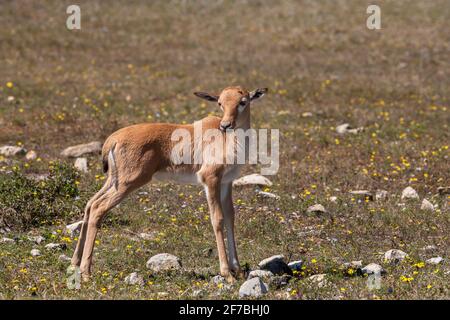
x: 78, y: 253
x: 99, y: 208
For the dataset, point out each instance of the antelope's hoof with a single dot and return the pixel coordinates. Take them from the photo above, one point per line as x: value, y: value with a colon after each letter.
x: 86, y: 277
x: 230, y: 279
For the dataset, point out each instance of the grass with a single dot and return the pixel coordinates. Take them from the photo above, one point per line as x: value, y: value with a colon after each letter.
x: 141, y: 62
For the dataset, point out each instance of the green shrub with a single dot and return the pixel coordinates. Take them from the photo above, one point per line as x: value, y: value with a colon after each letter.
x: 27, y: 202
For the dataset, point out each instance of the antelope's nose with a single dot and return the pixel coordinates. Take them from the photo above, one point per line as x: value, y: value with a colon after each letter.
x: 224, y: 125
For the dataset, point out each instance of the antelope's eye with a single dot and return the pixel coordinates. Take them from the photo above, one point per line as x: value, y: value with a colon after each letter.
x: 242, y: 103
x: 219, y: 104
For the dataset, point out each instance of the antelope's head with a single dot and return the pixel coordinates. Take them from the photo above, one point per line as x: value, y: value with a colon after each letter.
x: 235, y: 104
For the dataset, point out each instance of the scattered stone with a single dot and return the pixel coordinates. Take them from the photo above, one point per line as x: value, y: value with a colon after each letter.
x: 357, y: 264
x: 341, y: 129
x: 435, y: 260
x: 10, y: 151
x: 409, y: 193
x: 81, y: 149
x: 268, y: 195
x: 254, y: 178
x: 253, y: 287
x: 345, y: 128
x: 333, y: 199
x: 263, y: 274
x: 81, y: 164
x: 36, y: 239
x: 7, y: 240
x: 373, y: 268
x: 64, y: 258
x: 35, y: 252
x: 316, y: 208
x: 319, y: 279
x: 429, y: 248
x: 280, y: 281
x: 55, y: 246
x: 148, y: 236
x: 296, y: 265
x: 394, y: 256
x: 134, y: 279
x: 74, y: 228
x: 381, y: 195
x: 307, y: 114
x: 364, y: 194
x: 218, y: 279
x: 426, y: 205
x: 31, y: 155
x: 276, y: 265
x: 163, y: 262
x: 37, y: 176
x: 443, y: 190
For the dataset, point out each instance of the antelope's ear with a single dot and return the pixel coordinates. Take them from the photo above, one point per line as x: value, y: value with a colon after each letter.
x: 258, y: 93
x: 207, y: 96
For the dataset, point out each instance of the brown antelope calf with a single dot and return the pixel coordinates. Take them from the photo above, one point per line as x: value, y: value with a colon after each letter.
x: 135, y: 154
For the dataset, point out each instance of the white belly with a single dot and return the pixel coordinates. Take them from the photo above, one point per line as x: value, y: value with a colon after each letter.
x: 231, y: 173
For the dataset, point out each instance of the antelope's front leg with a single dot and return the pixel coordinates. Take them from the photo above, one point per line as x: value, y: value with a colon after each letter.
x: 229, y: 215
x: 212, y: 186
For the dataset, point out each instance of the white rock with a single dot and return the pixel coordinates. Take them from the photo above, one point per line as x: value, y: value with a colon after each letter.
x: 435, y: 260
x: 253, y: 287
x: 275, y: 264
x: 254, y: 178
x: 319, y: 279
x: 316, y: 208
x: 353, y: 264
x: 134, y: 279
x: 268, y: 195
x: 427, y: 205
x: 36, y: 239
x: 341, y: 129
x: 333, y: 199
x: 381, y: 195
x: 394, y: 255
x: 7, y: 240
x: 430, y: 248
x: 148, y: 236
x: 31, y: 155
x: 54, y: 246
x: 81, y: 164
x: 296, y: 265
x: 9, y: 151
x: 373, y: 268
x: 163, y: 262
x: 263, y: 274
x: 409, y: 193
x: 35, y: 252
x: 74, y: 228
x: 64, y: 258
x: 81, y: 149
x: 345, y: 128
x: 362, y: 194
x: 307, y: 114
x: 218, y: 279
